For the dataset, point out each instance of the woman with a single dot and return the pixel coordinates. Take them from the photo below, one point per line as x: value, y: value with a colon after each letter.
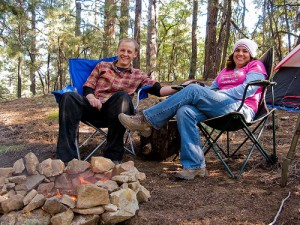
x: 195, y: 103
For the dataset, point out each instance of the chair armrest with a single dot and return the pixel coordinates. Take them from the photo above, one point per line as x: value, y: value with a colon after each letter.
x: 59, y: 93
x: 262, y: 83
x: 141, y: 94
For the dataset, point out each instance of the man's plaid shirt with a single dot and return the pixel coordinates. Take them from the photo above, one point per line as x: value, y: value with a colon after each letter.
x: 106, y: 80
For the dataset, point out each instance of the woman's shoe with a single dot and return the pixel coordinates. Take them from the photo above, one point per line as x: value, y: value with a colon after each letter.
x: 190, y: 174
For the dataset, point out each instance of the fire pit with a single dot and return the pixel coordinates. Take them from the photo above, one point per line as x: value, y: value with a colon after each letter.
x: 82, y: 192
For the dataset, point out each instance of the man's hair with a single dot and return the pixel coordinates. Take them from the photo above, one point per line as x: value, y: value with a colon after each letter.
x: 136, y: 45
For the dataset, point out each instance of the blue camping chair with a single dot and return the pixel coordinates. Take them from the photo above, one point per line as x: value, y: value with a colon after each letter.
x: 79, y: 70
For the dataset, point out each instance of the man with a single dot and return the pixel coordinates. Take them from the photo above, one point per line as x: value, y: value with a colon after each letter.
x: 106, y: 93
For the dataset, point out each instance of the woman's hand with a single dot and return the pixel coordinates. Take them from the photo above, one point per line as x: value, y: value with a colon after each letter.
x: 192, y: 82
x: 94, y: 101
x: 188, y: 82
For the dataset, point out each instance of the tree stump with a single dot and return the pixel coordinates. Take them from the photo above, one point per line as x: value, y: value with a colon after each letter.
x: 162, y: 143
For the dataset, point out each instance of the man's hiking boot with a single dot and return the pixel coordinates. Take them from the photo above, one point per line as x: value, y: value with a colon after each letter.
x: 136, y: 123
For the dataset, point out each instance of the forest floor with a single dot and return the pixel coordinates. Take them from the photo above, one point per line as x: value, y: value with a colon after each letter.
x: 30, y: 125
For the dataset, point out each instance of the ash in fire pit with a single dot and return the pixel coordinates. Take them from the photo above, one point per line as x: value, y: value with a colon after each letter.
x: 98, y: 192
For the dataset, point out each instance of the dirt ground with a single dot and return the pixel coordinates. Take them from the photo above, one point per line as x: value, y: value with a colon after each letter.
x: 30, y: 125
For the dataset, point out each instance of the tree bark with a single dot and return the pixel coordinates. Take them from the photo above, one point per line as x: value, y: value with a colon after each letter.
x: 109, y: 28
x: 33, y: 51
x: 151, y: 51
x: 210, y: 68
x: 78, y: 18
x: 223, y: 36
x: 137, y: 31
x: 287, y: 25
x: 20, y: 45
x: 20, y: 64
x: 193, y: 63
x: 124, y: 20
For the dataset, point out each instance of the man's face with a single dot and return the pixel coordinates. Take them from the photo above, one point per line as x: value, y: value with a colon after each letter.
x: 126, y: 53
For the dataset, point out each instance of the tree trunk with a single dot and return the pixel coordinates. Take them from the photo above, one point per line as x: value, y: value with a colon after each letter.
x: 109, y: 28
x: 137, y: 31
x: 287, y: 25
x: 171, y: 59
x: 97, y: 12
x: 60, y: 65
x: 223, y: 36
x: 151, y: 51
x: 227, y: 34
x: 20, y: 64
x: 273, y: 29
x: 210, y: 69
x: 193, y: 64
x: 20, y: 45
x: 48, y: 79
x: 298, y: 41
x: 124, y: 20
x: 78, y: 18
x: 33, y: 51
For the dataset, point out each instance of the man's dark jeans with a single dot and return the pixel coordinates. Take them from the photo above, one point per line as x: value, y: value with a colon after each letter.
x: 73, y: 108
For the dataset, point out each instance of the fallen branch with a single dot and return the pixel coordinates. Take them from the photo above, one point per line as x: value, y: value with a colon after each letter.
x: 280, y: 208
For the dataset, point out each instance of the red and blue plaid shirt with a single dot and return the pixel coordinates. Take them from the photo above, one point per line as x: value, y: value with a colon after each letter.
x: 106, y: 79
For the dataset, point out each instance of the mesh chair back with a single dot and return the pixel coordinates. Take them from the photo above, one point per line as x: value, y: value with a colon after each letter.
x: 267, y: 59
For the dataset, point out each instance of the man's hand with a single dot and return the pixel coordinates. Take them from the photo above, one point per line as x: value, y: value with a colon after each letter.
x: 94, y: 101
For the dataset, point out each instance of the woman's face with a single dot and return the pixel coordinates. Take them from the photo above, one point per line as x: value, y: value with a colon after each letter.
x: 241, y: 57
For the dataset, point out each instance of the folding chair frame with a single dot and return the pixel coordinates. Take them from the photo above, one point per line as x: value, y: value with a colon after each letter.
x: 104, y: 134
x: 236, y: 121
x: 83, y: 67
x: 141, y: 94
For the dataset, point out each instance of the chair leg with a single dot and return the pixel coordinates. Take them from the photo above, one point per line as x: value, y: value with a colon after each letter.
x: 95, y: 149
x: 129, y: 139
x: 255, y: 144
x: 255, y: 140
x: 223, y: 162
x: 274, y: 137
x: 210, y: 141
x: 92, y: 135
x: 77, y: 149
x: 245, y: 162
x: 247, y: 138
x: 76, y: 144
x: 260, y: 149
x: 212, y: 144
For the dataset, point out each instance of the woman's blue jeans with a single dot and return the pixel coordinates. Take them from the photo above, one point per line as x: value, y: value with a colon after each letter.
x: 192, y: 105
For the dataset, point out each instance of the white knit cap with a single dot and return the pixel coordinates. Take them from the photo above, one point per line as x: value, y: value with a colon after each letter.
x: 250, y: 45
